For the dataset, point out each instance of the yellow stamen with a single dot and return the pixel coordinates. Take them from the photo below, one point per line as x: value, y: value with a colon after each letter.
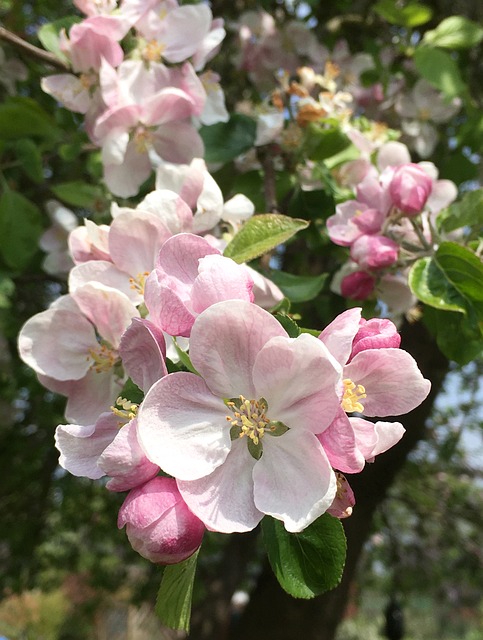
x: 142, y: 139
x: 128, y: 411
x: 352, y: 395
x: 153, y: 51
x: 249, y: 418
x: 104, y: 358
x: 137, y: 283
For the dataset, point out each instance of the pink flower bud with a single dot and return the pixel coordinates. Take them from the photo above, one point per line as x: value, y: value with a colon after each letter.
x: 376, y: 333
x: 410, y: 187
x: 357, y: 285
x: 374, y: 252
x: 159, y: 525
x: 344, y: 499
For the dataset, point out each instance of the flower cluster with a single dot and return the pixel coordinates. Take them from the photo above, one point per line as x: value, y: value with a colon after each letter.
x: 391, y: 222
x: 136, y: 77
x: 183, y: 386
x: 261, y: 424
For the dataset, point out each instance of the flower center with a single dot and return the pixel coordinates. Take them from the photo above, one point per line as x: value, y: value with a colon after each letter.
x: 128, y: 409
x: 104, y: 358
x: 153, y: 51
x: 353, y: 393
x: 250, y: 419
x: 137, y: 283
x: 142, y: 138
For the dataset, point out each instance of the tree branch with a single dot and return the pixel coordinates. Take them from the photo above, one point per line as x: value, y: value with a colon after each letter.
x: 32, y: 50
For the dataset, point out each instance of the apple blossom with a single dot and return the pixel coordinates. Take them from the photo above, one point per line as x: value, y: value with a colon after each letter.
x: 410, y: 188
x: 74, y: 347
x: 379, y: 380
x: 258, y: 453
x: 357, y: 285
x: 190, y: 275
x: 158, y: 523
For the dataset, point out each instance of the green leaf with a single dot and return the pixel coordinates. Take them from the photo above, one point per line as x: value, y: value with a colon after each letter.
x: 457, y: 338
x: 7, y: 289
x: 20, y: 229
x: 299, y: 288
x: 307, y: 563
x: 173, y: 604
x: 464, y: 271
x: 322, y: 143
x: 290, y: 326
x: 467, y: 212
x: 431, y: 287
x: 225, y: 141
x: 48, y: 34
x: 413, y: 14
x: 455, y: 32
x: 451, y: 281
x: 29, y: 155
x: 440, y: 70
x: 260, y: 234
x: 23, y: 117
x: 78, y: 193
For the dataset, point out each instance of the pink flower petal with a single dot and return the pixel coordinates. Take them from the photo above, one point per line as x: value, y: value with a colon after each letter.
x: 56, y: 343
x: 182, y: 427
x: 300, y: 381
x: 108, y: 309
x: 392, y: 380
x: 219, y: 279
x: 223, y: 500
x: 340, y: 445
x: 143, y: 353
x: 135, y: 240
x: 293, y: 479
x: 225, y: 341
x: 339, y: 334
x: 80, y: 446
x: 125, y: 462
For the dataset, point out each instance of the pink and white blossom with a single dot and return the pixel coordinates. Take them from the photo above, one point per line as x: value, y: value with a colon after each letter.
x: 187, y: 425
x: 191, y: 275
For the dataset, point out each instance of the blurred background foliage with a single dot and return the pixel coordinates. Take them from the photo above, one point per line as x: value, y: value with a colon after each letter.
x: 66, y: 572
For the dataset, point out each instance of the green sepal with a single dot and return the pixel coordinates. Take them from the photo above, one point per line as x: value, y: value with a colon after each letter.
x: 276, y: 428
x: 255, y: 450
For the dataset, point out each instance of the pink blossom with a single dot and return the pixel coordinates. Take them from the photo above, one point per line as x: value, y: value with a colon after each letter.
x: 143, y: 353
x: 80, y: 446
x: 90, y: 242
x: 357, y: 285
x: 148, y: 108
x: 124, y: 461
x: 74, y: 347
x: 374, y: 251
x: 175, y: 33
x: 191, y: 275
x: 192, y: 431
x: 379, y: 380
x: 91, y: 41
x: 410, y: 188
x: 158, y: 523
x: 134, y: 241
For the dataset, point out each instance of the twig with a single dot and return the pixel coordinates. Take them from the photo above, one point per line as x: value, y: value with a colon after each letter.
x: 32, y: 50
x: 269, y: 179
